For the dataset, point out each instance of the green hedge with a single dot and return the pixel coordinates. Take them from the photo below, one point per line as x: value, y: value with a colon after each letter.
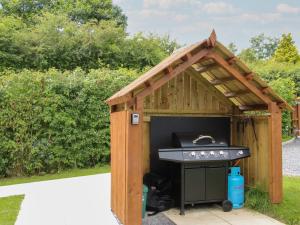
x: 51, y: 120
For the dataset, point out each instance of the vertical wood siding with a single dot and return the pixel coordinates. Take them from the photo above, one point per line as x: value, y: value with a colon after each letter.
x: 187, y: 93
x: 253, y: 132
x: 118, y: 133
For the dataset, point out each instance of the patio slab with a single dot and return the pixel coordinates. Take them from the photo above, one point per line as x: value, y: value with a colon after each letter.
x: 213, y: 214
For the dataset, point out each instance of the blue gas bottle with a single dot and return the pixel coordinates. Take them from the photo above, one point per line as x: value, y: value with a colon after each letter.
x: 236, y: 187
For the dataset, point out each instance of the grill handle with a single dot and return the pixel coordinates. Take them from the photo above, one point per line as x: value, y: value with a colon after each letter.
x: 204, y: 137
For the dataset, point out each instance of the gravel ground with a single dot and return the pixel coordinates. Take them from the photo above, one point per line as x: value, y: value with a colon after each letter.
x: 158, y: 219
x: 291, y: 158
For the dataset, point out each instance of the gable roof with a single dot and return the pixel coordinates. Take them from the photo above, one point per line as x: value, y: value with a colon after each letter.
x: 220, y: 67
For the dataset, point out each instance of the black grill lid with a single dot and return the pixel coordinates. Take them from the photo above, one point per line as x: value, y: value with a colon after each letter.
x: 194, y: 140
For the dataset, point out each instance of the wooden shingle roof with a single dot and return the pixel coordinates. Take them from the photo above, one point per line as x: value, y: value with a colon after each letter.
x: 213, y: 61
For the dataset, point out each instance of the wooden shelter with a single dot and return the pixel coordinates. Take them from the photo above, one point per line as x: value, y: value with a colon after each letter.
x: 202, y: 80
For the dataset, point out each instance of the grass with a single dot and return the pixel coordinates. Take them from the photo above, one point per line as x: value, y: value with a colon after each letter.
x: 288, y: 211
x: 60, y: 175
x: 9, y: 209
x: 286, y: 138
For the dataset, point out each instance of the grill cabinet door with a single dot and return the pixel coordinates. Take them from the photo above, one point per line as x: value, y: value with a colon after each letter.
x: 216, y: 183
x: 194, y: 184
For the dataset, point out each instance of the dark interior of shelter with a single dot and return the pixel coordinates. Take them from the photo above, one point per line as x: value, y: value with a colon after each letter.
x: 194, y: 155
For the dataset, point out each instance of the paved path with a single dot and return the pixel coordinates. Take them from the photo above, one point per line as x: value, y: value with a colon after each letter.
x: 73, y: 201
x: 86, y: 201
x: 291, y: 158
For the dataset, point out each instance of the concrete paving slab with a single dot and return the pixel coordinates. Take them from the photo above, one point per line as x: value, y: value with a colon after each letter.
x: 213, y: 214
x: 72, y: 201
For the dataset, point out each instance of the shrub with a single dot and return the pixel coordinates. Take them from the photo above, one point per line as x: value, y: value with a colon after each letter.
x: 51, y: 121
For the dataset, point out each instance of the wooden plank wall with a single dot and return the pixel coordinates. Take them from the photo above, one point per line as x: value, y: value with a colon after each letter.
x: 187, y: 93
x: 118, y: 121
x: 126, y: 168
x: 253, y: 132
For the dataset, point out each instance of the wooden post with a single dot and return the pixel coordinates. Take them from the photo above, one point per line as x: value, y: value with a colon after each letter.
x: 134, y: 173
x: 297, y: 108
x: 275, y: 149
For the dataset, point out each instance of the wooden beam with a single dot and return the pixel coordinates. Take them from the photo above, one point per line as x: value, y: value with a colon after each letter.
x: 120, y: 100
x: 148, y: 83
x: 133, y: 170
x: 221, y: 80
x: 265, y: 90
x: 236, y: 74
x: 275, y: 150
x: 177, y: 70
x: 249, y: 76
x: 206, y: 68
x: 236, y: 94
x: 168, y: 70
x: 231, y: 60
x: 253, y: 107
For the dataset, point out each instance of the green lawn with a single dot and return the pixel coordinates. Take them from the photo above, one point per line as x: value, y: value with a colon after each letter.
x: 288, y: 211
x: 60, y: 175
x: 9, y: 209
x: 286, y: 138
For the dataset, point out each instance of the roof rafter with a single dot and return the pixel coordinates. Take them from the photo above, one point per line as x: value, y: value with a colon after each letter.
x: 242, y: 79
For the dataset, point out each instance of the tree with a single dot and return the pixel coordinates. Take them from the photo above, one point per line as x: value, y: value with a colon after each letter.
x: 142, y: 51
x: 247, y: 55
x: 286, y: 88
x: 80, y: 11
x: 287, y: 50
x: 232, y: 47
x: 263, y: 46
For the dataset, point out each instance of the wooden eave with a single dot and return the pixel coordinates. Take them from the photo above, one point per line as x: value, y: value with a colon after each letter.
x: 211, y: 60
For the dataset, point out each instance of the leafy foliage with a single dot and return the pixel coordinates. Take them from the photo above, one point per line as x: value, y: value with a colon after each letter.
x: 286, y: 51
x: 232, y: 47
x: 78, y: 10
x: 247, y: 55
x: 53, y: 120
x: 284, y: 78
x: 263, y: 46
x: 55, y: 41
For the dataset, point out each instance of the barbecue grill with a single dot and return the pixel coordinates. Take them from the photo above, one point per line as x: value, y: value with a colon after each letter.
x: 204, y: 164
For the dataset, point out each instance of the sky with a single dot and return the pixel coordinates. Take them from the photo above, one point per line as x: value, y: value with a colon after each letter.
x: 236, y: 21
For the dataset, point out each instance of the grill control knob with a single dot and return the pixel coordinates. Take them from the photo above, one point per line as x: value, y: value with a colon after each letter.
x: 212, y: 152
x: 221, y: 153
x: 202, y: 153
x: 193, y: 154
x: 241, y: 152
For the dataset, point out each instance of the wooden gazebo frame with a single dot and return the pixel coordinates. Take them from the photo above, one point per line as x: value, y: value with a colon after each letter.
x: 204, y: 79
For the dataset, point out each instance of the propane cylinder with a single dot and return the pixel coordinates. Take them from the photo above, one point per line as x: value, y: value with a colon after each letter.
x: 236, y: 187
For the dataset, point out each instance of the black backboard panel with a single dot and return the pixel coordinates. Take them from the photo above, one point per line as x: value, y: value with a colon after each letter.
x: 162, y: 128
